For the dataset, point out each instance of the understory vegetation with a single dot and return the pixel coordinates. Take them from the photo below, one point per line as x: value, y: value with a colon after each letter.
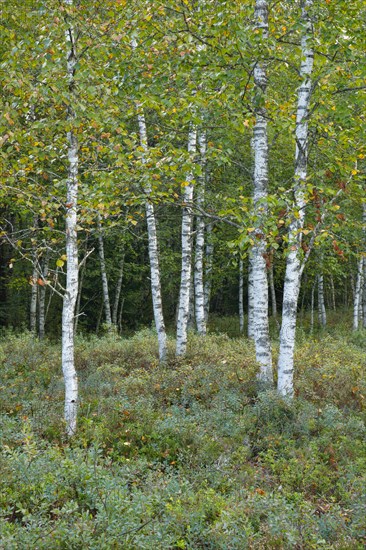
x: 193, y: 454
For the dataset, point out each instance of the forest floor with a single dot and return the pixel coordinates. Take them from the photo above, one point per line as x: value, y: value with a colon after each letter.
x: 191, y: 455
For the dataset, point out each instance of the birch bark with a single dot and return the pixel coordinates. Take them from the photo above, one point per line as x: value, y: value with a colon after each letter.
x: 321, y: 301
x: 250, y: 301
x: 187, y: 220
x: 42, y: 297
x: 241, y: 297
x: 153, y: 252
x: 71, y: 291
x: 103, y: 271
x: 34, y: 298
x: 118, y: 290
x: 294, y: 268
x: 200, y: 242
x: 358, y: 295
x: 258, y: 264
x: 208, y: 269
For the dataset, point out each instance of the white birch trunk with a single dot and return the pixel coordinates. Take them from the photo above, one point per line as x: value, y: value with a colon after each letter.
x: 199, y: 293
x: 103, y: 271
x: 332, y: 288
x: 250, y: 301
x: 258, y: 264
x: 34, y: 298
x: 358, y: 295
x: 118, y: 290
x: 153, y: 251
x: 312, y: 308
x: 71, y: 291
x: 241, y: 296
x: 321, y: 301
x: 208, y: 270
x: 294, y: 267
x: 42, y: 297
x: 187, y: 220
x: 80, y: 289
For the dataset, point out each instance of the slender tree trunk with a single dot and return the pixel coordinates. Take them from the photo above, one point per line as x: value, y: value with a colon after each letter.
x: 199, y: 293
x: 191, y: 313
x: 187, y: 219
x: 80, y: 289
x: 294, y: 267
x: 42, y: 296
x: 273, y: 292
x: 208, y: 269
x: 118, y: 290
x: 250, y: 301
x: 34, y: 298
x: 120, y: 315
x: 241, y: 296
x: 332, y: 289
x: 70, y: 296
x: 321, y: 301
x: 258, y: 263
x: 312, y: 307
x: 153, y: 250
x: 358, y: 295
x: 103, y: 270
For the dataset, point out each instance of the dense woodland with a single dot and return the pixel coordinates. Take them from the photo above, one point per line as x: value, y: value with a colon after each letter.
x: 183, y: 270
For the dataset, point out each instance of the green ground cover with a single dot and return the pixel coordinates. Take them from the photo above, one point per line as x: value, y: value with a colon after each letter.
x: 190, y: 455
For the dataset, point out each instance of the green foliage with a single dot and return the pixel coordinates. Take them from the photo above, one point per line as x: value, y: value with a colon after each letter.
x: 190, y: 455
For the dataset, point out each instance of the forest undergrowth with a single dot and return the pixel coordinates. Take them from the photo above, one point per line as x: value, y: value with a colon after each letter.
x: 193, y: 454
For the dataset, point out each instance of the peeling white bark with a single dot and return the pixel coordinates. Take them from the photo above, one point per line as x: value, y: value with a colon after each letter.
x: 294, y: 268
x: 118, y: 289
x: 153, y: 251
x: 358, y: 295
x: 258, y: 264
x: 187, y: 220
x: 208, y: 269
x: 199, y: 294
x: 321, y: 301
x: 42, y: 297
x: 70, y: 296
x: 241, y: 297
x: 103, y: 271
x: 34, y: 297
x: 250, y: 301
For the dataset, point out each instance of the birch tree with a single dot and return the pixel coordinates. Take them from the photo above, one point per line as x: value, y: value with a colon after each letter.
x: 152, y: 245
x: 186, y: 270
x: 199, y: 293
x: 71, y: 290
x: 241, y: 296
x: 258, y: 263
x: 294, y: 267
x: 209, y: 250
x: 103, y: 271
x: 42, y: 296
